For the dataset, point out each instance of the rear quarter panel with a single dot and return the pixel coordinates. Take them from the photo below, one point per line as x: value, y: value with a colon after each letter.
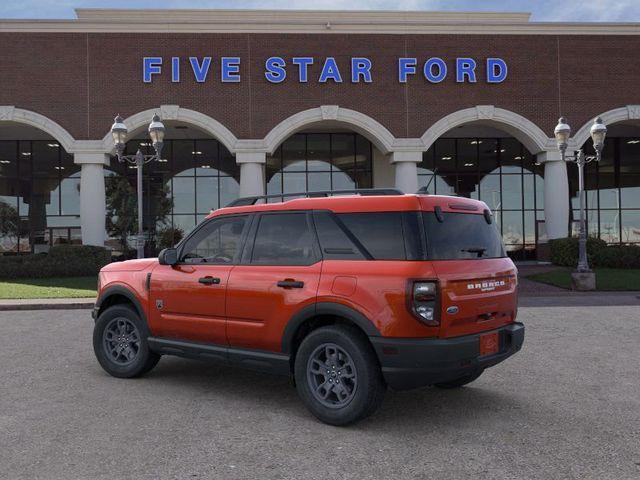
x: 378, y: 290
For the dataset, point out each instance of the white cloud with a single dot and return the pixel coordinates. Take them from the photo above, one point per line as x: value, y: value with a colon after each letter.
x: 599, y: 11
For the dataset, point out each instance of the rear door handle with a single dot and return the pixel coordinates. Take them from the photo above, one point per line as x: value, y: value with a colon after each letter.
x: 290, y: 284
x: 209, y: 280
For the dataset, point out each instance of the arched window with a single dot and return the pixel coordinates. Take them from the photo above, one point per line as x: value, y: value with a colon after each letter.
x: 194, y: 176
x: 498, y: 171
x: 320, y: 161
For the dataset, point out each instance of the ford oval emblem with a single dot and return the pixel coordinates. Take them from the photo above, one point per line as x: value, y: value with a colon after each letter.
x: 452, y: 310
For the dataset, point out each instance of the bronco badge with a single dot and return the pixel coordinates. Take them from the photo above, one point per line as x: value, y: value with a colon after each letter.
x: 486, y: 286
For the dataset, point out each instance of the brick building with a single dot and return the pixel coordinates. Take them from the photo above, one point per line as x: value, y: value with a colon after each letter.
x: 282, y: 101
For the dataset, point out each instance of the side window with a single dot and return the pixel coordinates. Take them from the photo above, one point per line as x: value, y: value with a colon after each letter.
x: 284, y: 239
x: 334, y: 242
x: 217, y: 243
x: 380, y: 233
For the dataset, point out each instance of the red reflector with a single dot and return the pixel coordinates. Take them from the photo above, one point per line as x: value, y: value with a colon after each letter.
x: 489, y: 343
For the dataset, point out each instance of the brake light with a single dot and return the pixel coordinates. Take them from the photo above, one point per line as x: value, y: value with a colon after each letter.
x: 424, y: 302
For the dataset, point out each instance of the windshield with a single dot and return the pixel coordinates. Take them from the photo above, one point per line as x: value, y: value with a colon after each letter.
x: 461, y: 236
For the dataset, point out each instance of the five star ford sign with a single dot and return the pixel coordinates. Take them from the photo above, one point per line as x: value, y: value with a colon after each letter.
x: 361, y: 69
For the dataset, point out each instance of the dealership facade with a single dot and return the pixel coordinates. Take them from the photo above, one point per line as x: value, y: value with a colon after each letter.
x: 274, y: 102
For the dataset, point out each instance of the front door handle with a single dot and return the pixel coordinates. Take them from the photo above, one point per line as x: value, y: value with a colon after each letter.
x: 209, y: 280
x: 290, y: 284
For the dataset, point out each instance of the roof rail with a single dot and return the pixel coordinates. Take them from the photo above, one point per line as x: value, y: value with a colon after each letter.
x: 243, y: 201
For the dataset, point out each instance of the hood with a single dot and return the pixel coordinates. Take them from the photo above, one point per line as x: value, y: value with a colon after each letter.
x: 130, y: 265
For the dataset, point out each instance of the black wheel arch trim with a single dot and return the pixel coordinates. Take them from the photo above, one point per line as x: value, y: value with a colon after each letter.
x: 325, y: 308
x: 118, y: 290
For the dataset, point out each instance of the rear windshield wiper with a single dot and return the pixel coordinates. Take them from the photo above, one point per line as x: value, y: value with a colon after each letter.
x: 477, y: 250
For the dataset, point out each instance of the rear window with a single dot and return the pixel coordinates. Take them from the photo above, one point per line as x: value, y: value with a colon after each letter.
x: 461, y: 236
x: 380, y: 233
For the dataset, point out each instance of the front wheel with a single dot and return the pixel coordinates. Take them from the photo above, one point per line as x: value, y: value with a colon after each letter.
x: 120, y: 343
x: 337, y: 375
x: 460, y: 382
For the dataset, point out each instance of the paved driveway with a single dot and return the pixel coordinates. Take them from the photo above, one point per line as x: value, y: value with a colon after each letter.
x: 567, y: 406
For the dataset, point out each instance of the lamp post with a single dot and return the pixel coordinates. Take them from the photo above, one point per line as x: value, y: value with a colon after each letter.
x: 119, y: 133
x: 562, y: 133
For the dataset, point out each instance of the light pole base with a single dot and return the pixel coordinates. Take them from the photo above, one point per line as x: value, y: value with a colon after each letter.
x: 583, y: 281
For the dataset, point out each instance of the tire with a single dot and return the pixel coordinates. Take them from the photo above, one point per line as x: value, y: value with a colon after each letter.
x: 460, y: 382
x: 132, y: 357
x: 359, y: 388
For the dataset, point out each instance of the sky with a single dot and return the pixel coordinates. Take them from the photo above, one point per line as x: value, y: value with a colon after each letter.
x: 542, y: 10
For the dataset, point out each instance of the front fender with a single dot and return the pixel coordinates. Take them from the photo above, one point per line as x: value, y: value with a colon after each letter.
x: 122, y: 290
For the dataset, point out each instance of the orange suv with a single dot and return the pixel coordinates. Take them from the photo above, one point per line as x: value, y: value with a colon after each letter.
x: 347, y: 291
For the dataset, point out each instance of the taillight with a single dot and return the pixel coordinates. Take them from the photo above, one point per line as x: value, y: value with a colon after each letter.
x: 424, y: 302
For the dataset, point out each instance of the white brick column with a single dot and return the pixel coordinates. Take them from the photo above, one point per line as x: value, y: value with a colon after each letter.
x: 251, y: 172
x: 406, y: 168
x: 556, y: 194
x: 92, y: 196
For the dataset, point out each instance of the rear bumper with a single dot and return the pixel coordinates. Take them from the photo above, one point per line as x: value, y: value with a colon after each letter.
x: 411, y: 363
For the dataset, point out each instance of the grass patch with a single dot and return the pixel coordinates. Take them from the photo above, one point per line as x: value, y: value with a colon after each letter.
x: 607, y: 279
x: 70, y: 287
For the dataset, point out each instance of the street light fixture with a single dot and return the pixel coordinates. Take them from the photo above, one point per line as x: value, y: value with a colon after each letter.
x: 119, y: 133
x: 562, y: 133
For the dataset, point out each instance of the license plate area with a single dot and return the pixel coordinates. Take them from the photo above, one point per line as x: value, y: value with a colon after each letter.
x: 489, y: 344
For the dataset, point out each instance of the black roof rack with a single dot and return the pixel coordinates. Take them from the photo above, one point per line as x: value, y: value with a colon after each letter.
x: 243, y: 201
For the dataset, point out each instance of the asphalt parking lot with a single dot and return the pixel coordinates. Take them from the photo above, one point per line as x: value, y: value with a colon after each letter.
x: 567, y: 406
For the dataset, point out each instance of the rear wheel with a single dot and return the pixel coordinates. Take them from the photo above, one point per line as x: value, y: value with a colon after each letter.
x: 337, y: 375
x: 120, y: 343
x: 459, y: 382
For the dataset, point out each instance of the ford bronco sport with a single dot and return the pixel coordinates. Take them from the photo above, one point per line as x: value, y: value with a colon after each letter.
x: 348, y: 294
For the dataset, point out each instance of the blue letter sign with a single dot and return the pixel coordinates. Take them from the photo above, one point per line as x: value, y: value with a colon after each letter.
x: 200, y: 71
x: 360, y: 67
x: 230, y: 69
x: 406, y: 66
x: 428, y: 70
x: 330, y: 71
x: 465, y: 67
x: 496, y: 70
x: 151, y: 66
x: 434, y: 69
x: 275, y: 69
x: 303, y: 67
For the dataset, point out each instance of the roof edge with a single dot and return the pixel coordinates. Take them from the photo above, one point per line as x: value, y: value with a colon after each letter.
x: 286, y: 16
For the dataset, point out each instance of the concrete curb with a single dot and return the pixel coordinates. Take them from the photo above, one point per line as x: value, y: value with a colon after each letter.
x: 47, y: 304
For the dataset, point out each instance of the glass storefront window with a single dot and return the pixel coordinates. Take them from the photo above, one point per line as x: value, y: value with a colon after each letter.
x: 612, y: 191
x: 610, y: 226
x: 39, y: 196
x: 498, y: 171
x: 512, y: 192
x: 193, y: 178
x: 320, y: 161
x: 630, y: 223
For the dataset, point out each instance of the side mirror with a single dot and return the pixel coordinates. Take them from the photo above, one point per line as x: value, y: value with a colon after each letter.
x: 168, y: 256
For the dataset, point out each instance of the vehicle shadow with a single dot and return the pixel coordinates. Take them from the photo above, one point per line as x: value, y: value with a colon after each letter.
x: 413, y: 409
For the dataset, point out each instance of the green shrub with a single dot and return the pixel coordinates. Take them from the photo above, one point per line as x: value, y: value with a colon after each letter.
x: 61, y: 261
x: 564, y: 251
x: 618, y: 256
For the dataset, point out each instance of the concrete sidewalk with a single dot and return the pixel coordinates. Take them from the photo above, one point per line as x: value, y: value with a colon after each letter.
x: 46, y: 304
